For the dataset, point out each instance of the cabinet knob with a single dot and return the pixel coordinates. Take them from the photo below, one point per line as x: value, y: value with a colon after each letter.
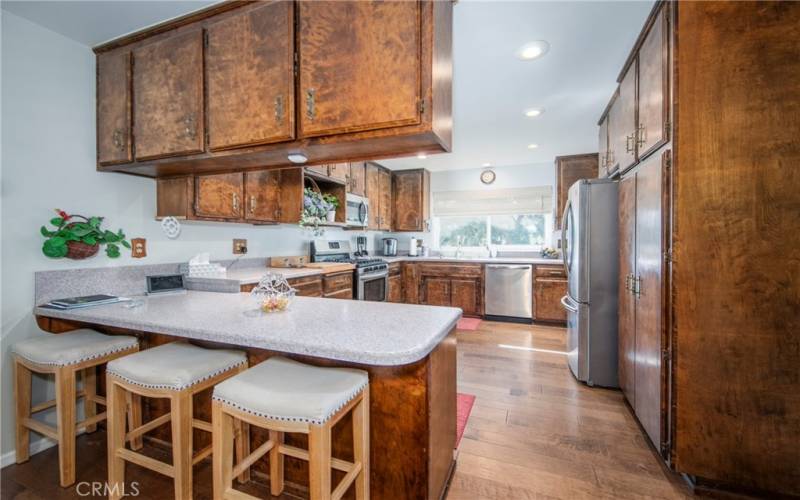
x: 310, y: 110
x: 117, y: 138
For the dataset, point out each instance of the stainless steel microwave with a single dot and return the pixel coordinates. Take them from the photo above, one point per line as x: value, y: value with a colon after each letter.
x: 357, y: 211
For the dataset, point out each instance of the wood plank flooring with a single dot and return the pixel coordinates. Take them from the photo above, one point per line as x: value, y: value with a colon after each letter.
x: 534, y: 432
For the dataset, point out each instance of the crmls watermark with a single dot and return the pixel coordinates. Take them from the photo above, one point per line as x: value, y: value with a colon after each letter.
x: 103, y: 489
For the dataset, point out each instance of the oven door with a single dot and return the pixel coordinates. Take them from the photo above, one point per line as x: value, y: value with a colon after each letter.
x: 373, y: 287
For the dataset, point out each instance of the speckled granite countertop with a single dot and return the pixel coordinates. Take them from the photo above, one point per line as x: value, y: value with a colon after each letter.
x: 372, y: 333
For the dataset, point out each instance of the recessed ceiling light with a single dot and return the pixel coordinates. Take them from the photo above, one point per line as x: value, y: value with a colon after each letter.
x: 422, y: 156
x: 533, y: 50
x: 299, y: 158
x: 533, y: 112
x: 486, y: 165
x: 533, y: 146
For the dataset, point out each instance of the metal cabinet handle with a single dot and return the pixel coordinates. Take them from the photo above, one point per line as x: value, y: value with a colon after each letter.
x: 252, y: 204
x: 630, y: 142
x: 279, y: 109
x: 235, y: 202
x: 310, y: 111
x: 191, y: 126
x: 117, y: 138
x: 641, y: 135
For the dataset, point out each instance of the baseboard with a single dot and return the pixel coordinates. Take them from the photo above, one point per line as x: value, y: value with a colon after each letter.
x: 38, y: 446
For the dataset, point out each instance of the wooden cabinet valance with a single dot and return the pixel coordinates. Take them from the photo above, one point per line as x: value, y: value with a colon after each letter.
x: 215, y: 90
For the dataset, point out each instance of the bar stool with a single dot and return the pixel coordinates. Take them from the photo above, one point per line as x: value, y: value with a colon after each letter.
x: 64, y: 355
x: 176, y: 371
x: 281, y: 395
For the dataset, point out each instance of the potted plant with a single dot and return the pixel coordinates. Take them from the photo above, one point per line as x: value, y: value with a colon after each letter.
x: 315, y: 211
x: 333, y: 204
x: 78, y: 237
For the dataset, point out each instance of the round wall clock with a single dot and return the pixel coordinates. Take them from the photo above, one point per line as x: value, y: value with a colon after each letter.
x: 488, y: 176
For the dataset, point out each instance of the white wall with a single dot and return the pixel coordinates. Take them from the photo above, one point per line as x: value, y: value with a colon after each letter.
x: 48, y: 161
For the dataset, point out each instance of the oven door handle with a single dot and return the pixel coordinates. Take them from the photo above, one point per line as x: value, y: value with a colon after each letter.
x: 365, y: 277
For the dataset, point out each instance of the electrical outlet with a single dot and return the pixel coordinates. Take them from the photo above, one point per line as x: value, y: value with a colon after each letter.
x: 239, y: 246
x: 138, y: 248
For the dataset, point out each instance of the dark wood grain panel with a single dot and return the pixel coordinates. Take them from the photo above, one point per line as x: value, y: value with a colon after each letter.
x: 358, y: 178
x: 467, y: 294
x: 310, y: 286
x: 262, y: 195
x: 337, y: 282
x: 547, y: 294
x: 435, y: 291
x: 339, y: 171
x: 359, y: 65
x: 410, y: 273
x: 649, y: 317
x: 736, y: 269
x: 291, y: 204
x: 168, y: 96
x: 653, y: 88
x: 570, y: 169
x: 114, y: 142
x: 411, y: 190
x: 175, y: 197
x: 627, y: 301
x: 219, y: 196
x: 624, y: 121
x: 385, y: 195
x: 249, y: 74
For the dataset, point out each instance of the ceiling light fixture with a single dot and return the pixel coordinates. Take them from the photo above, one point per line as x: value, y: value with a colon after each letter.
x: 487, y: 164
x: 422, y: 156
x: 533, y: 112
x: 533, y: 50
x: 298, y: 158
x: 533, y: 146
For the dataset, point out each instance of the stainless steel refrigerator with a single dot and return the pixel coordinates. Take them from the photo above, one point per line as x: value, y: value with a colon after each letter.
x: 590, y: 250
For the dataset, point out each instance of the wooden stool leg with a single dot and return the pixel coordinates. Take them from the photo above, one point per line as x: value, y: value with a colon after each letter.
x: 319, y: 462
x: 276, y: 464
x: 89, y: 393
x: 115, y: 420
x: 65, y: 408
x: 243, y: 448
x: 134, y: 405
x: 361, y: 445
x: 222, y: 454
x: 22, y: 401
x: 182, y: 451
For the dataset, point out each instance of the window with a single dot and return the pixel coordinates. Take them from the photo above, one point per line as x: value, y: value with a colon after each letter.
x: 512, y: 219
x: 510, y: 232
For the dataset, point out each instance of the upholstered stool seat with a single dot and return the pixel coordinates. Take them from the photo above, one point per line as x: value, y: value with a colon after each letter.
x: 174, y: 366
x: 72, y: 347
x: 67, y: 356
x: 281, y: 395
x: 282, y: 389
x: 175, y: 371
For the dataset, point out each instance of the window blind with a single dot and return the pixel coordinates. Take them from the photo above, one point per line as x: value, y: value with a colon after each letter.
x: 529, y: 200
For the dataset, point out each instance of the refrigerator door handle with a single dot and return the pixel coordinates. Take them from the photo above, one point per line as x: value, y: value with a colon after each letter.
x: 564, y: 249
x: 565, y: 301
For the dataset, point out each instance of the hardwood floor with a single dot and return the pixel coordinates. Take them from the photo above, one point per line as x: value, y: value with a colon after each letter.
x: 534, y: 432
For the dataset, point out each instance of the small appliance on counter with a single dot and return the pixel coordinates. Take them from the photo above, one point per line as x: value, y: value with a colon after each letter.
x: 371, y: 275
x: 390, y: 247
x: 356, y: 211
x: 361, y: 246
x: 412, y: 247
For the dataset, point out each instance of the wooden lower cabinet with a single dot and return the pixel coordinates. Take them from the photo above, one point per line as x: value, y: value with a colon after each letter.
x: 547, y: 293
x: 338, y: 285
x: 452, y: 285
x: 435, y: 291
x: 308, y: 286
x: 395, y: 283
x: 466, y: 293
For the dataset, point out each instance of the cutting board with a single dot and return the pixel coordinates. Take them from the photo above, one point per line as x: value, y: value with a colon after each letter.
x: 331, y: 267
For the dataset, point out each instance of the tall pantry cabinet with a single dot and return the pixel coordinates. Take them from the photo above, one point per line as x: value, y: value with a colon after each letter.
x: 706, y: 154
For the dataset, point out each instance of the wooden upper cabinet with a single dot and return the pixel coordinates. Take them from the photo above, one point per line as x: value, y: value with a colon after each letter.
x: 603, y: 152
x: 318, y: 169
x: 653, y: 87
x: 570, y: 169
x: 385, y: 183
x: 359, y: 66
x: 357, y: 183
x: 339, y: 171
x: 114, y: 143
x: 622, y: 131
x: 249, y: 65
x: 219, y: 196
x: 262, y: 195
x: 373, y: 183
x: 168, y: 96
x: 411, y: 199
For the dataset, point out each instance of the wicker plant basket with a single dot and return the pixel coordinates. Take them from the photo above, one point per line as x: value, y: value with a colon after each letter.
x: 78, y: 250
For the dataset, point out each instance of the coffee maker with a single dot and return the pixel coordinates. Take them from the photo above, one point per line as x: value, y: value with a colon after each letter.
x: 361, y: 246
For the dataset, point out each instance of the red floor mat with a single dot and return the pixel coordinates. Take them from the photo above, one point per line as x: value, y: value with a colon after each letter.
x: 464, y: 404
x: 468, y: 323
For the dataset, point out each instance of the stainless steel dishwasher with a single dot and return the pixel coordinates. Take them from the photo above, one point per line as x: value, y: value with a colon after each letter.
x: 508, y: 292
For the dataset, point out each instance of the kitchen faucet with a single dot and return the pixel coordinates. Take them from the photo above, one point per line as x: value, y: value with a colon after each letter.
x: 459, y: 242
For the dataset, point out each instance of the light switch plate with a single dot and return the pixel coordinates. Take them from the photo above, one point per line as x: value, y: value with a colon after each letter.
x: 239, y: 246
x: 138, y: 248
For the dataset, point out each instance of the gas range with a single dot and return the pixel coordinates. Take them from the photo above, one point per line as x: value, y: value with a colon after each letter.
x: 371, y: 274
x: 365, y: 264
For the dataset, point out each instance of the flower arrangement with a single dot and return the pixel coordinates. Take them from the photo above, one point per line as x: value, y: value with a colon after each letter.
x: 318, y: 208
x: 80, y: 239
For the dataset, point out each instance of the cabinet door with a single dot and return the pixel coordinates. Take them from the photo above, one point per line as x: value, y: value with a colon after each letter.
x: 219, y: 196
x: 547, y: 294
x: 466, y: 294
x: 385, y: 178
x: 114, y: 108
x: 339, y: 171
x: 307, y: 286
x: 168, y: 96
x: 396, y: 288
x: 408, y: 200
x: 649, y: 259
x: 409, y: 272
x: 249, y: 65
x: 374, y: 47
x: 290, y: 204
x: 374, y: 196
x: 623, y: 121
x: 627, y: 301
x: 570, y: 169
x: 358, y: 178
x: 436, y: 291
x: 653, y: 87
x: 318, y: 169
x: 602, y: 140
x: 262, y: 195
x: 613, y: 118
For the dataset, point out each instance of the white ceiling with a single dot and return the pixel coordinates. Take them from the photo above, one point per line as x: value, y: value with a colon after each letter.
x: 589, y: 42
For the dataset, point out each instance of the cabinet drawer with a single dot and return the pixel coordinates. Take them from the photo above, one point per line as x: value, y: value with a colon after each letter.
x: 337, y: 282
x: 461, y: 270
x: 550, y: 272
x: 341, y: 294
x: 394, y: 268
x: 310, y: 286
